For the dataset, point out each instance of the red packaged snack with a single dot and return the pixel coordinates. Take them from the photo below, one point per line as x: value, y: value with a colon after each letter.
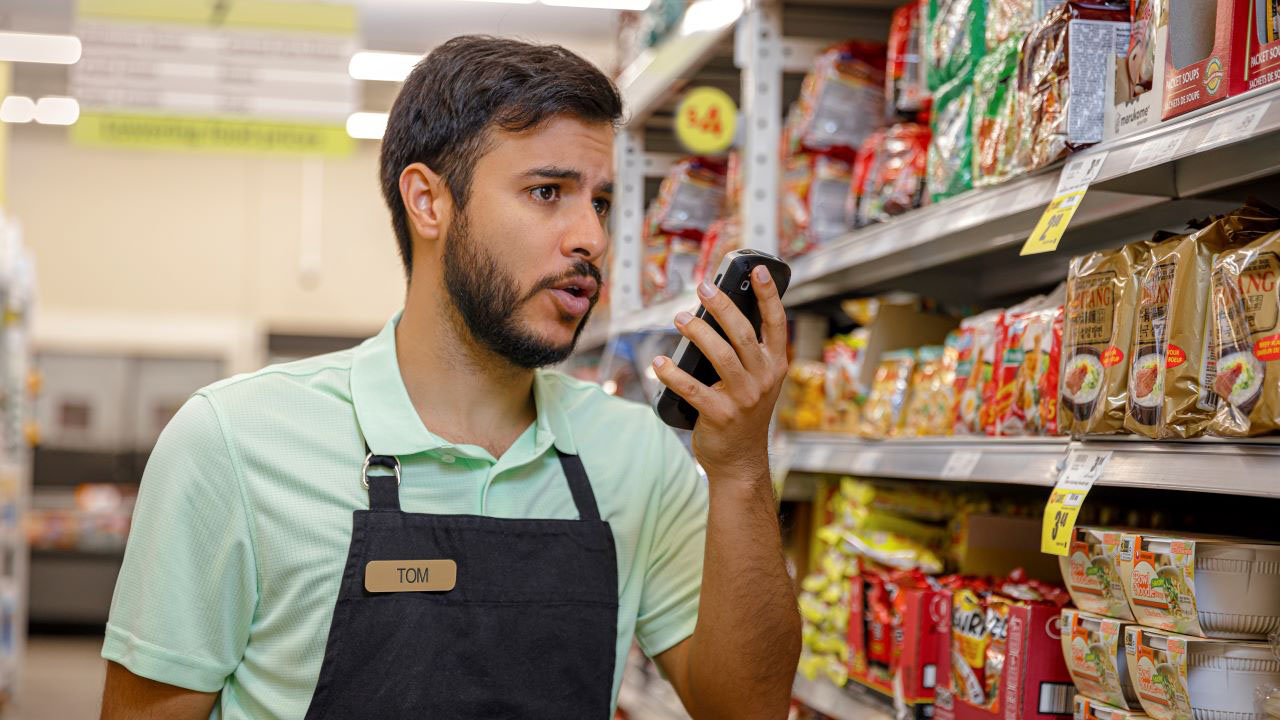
x: 862, y: 166
x: 815, y: 189
x: 896, y: 180
x: 724, y: 236
x: 690, y: 198
x: 991, y: 352
x: 841, y: 100
x: 905, y: 90
x: 1049, y: 400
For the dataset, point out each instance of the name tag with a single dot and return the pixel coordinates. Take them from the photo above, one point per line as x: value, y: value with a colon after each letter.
x: 410, y: 575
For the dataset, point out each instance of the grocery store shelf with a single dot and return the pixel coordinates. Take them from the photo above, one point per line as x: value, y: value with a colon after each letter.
x: 661, y: 71
x: 1024, y: 461
x: 1201, y: 465
x: 850, y: 703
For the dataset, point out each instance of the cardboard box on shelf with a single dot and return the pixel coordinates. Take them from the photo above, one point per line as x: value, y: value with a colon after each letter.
x: 1219, y: 48
x: 900, y: 323
x: 999, y: 544
x: 1136, y: 79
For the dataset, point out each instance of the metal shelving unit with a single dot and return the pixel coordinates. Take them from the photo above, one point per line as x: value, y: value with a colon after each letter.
x: 852, y: 702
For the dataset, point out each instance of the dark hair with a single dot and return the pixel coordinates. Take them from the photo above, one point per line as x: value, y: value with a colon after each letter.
x: 462, y: 90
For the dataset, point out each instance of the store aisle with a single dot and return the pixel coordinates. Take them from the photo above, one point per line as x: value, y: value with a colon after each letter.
x: 62, y: 678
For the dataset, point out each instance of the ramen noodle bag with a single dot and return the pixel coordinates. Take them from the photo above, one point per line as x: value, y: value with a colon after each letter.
x: 929, y: 407
x: 1102, y: 291
x: 995, y: 127
x: 955, y: 39
x: 1245, y: 304
x: 1049, y: 415
x: 841, y: 100
x: 882, y: 415
x: 950, y: 163
x: 1174, y: 363
x: 997, y: 395
x: 975, y: 364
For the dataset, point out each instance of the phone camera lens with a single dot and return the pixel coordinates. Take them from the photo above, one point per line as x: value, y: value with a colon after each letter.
x: 745, y: 286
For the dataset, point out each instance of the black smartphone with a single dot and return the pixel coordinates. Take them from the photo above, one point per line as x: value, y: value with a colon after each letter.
x: 733, y: 277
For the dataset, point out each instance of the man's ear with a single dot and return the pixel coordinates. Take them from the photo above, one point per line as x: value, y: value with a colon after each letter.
x: 427, y: 202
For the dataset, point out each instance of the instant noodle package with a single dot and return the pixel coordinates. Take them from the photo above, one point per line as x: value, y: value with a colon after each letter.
x: 931, y: 399
x: 1186, y: 678
x: 1093, y: 647
x: 951, y: 144
x: 955, y: 41
x: 689, y: 201
x: 905, y: 88
x: 883, y: 413
x: 1091, y: 572
x: 995, y: 117
x: 893, y: 180
x: 815, y: 190
x: 1245, y: 309
x: 841, y: 101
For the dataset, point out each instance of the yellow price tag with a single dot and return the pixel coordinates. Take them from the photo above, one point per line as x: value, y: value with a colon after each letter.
x: 706, y: 120
x: 1053, y: 223
x: 1082, y: 469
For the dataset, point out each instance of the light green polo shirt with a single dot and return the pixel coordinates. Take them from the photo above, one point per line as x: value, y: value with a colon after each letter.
x: 243, y: 519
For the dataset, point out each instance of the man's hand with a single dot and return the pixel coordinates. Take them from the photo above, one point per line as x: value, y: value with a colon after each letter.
x: 732, y: 433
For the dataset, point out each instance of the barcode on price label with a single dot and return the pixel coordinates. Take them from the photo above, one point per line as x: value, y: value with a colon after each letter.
x: 1056, y: 698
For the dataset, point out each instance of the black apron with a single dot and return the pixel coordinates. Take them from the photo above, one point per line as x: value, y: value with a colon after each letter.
x: 528, y: 631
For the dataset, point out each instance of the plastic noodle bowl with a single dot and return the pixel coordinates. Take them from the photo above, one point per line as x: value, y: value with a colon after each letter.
x: 1186, y: 678
x: 1203, y: 587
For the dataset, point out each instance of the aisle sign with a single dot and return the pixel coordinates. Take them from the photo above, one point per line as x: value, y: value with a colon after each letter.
x: 1083, y: 468
x: 1072, y: 184
x: 706, y: 120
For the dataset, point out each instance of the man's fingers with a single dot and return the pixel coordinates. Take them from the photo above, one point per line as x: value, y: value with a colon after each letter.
x: 741, y: 335
x: 705, y: 400
x: 773, y: 318
x: 715, y: 348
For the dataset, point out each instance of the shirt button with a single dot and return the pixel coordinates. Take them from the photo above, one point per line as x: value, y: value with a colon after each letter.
x: 447, y: 459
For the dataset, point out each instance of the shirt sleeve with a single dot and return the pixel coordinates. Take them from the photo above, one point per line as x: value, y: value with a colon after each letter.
x: 186, y: 594
x: 673, y: 581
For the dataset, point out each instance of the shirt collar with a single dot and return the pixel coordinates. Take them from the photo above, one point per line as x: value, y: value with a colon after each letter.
x: 391, y: 425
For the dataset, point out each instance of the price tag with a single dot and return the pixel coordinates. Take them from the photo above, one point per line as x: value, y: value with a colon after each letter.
x: 1157, y: 150
x: 960, y: 464
x: 866, y: 462
x: 706, y: 120
x: 1083, y: 468
x: 1072, y: 184
x: 1234, y: 126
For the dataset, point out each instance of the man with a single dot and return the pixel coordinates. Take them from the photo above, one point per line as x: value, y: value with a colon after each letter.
x: 428, y: 526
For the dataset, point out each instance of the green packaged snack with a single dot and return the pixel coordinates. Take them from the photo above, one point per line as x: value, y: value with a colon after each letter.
x: 951, y: 148
x: 995, y: 119
x: 955, y: 40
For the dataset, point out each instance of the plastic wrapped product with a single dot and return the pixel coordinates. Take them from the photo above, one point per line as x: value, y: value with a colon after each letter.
x: 861, y: 182
x: 951, y: 146
x: 690, y: 198
x: 1062, y: 78
x: 793, y: 215
x: 1245, y: 305
x: 1185, y: 678
x: 1102, y: 293
x: 905, y: 89
x: 1173, y: 364
x: 1093, y: 646
x: 929, y: 406
x: 653, y: 269
x: 896, y: 181
x: 1091, y: 572
x: 802, y: 404
x: 683, y: 254
x: 974, y: 367
x: 995, y: 120
x: 841, y: 100
x: 1007, y: 19
x: 815, y: 202
x: 882, y: 415
x: 1050, y: 408
x: 723, y: 237
x: 1035, y: 358
x: 955, y: 40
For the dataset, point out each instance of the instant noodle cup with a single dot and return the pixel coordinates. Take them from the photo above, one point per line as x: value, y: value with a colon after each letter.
x: 1090, y: 709
x: 1173, y: 361
x: 1204, y: 587
x: 1091, y: 573
x: 1246, y: 332
x: 1102, y: 291
x: 1186, y: 678
x: 1093, y: 647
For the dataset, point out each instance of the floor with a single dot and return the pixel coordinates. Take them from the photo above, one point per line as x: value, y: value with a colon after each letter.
x: 61, y: 678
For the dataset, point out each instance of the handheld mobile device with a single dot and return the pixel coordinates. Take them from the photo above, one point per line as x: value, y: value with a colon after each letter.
x: 733, y: 277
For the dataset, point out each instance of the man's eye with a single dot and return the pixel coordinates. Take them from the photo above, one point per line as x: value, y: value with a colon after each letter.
x: 546, y: 193
x: 602, y: 206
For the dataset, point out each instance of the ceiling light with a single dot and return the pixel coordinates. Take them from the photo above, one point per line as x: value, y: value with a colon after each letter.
x: 17, y: 109
x: 57, y: 110
x: 38, y: 48
x: 367, y: 125
x: 601, y: 4
x: 705, y: 15
x: 388, y: 66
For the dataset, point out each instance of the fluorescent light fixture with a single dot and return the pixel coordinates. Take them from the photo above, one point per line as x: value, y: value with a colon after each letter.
x: 601, y: 4
x: 367, y: 125
x: 17, y: 109
x: 57, y: 110
x: 388, y: 66
x: 705, y: 15
x: 39, y: 48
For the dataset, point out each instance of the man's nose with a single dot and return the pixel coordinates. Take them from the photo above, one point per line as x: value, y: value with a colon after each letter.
x: 588, y: 238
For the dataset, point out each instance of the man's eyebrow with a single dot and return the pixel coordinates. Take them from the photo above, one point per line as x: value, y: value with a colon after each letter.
x: 558, y: 173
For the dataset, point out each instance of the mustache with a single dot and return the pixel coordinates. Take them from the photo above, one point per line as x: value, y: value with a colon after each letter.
x: 581, y: 268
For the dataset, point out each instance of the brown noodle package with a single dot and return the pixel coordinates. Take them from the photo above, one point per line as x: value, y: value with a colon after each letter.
x: 1102, y: 291
x: 1246, y: 333
x: 1173, y: 363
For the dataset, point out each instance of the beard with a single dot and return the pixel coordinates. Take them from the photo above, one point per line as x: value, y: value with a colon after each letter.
x: 486, y: 301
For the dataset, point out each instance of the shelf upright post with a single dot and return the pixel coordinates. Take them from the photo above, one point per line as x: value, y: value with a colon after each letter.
x: 758, y: 54
x: 628, y: 221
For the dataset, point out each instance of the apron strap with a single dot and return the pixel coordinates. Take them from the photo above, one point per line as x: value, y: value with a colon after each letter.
x: 384, y: 490
x: 579, y: 486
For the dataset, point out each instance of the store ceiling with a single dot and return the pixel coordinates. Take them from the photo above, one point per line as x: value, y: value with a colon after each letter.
x: 400, y: 25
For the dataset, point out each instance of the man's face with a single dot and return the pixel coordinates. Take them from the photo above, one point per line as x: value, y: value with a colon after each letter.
x: 521, y: 262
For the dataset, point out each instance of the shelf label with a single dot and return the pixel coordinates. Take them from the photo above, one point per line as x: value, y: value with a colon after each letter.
x: 960, y: 464
x: 1072, y: 184
x: 1083, y: 468
x: 706, y: 120
x: 866, y: 462
x: 1234, y: 126
x: 1157, y: 150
